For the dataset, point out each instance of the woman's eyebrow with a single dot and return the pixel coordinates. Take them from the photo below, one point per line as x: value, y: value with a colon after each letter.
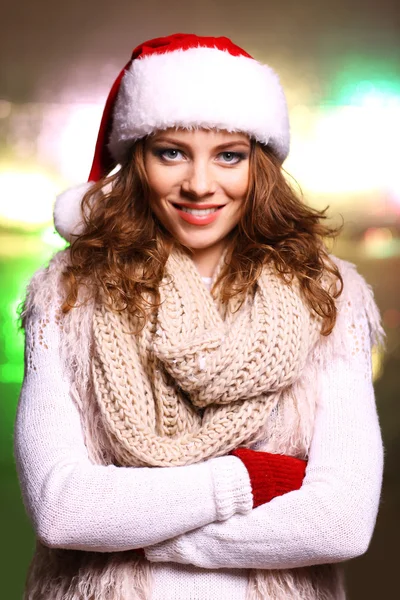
x: 233, y: 143
x: 169, y: 140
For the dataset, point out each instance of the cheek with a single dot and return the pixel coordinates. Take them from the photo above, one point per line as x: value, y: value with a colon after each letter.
x: 160, y: 185
x: 156, y: 181
x: 160, y: 179
x: 237, y: 182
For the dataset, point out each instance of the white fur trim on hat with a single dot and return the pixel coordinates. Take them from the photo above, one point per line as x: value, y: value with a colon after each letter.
x: 67, y: 211
x: 200, y: 87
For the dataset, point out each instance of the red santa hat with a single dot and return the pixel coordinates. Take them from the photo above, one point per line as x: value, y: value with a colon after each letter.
x: 182, y: 81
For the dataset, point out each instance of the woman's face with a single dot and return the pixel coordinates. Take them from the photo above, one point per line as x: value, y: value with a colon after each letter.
x: 198, y: 182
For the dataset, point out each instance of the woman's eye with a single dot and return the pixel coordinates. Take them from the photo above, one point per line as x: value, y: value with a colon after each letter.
x: 232, y: 157
x: 170, y: 154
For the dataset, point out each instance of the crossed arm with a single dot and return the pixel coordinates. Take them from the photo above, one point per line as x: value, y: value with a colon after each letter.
x: 330, y: 519
x: 200, y: 514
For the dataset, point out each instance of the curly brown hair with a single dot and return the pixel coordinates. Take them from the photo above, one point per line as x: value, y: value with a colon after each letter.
x: 124, y: 247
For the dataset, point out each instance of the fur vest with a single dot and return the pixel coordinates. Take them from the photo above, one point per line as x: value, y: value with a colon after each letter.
x: 58, y: 574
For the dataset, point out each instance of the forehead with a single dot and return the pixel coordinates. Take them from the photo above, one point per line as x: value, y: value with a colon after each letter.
x: 200, y: 135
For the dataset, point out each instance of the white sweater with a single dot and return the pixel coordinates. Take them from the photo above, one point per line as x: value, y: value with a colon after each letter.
x: 196, y: 522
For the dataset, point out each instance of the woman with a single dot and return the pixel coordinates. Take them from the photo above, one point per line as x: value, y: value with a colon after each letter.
x: 192, y: 352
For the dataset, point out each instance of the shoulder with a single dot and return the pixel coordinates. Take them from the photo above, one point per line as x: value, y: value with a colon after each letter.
x: 358, y: 321
x: 71, y: 332
x: 45, y: 290
x: 352, y: 279
x: 357, y: 301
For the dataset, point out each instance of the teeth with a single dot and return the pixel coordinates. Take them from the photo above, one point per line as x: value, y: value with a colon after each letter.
x: 200, y: 212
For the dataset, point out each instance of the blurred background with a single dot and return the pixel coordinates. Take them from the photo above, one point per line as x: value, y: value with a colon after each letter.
x: 339, y: 63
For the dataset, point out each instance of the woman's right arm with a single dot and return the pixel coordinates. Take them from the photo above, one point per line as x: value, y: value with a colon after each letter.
x: 76, y: 504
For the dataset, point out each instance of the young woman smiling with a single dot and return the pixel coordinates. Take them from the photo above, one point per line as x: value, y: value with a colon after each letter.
x: 198, y: 179
x: 197, y: 418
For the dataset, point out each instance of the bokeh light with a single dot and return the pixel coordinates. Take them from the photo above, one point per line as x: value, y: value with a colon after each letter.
x: 347, y: 150
x: 77, y: 140
x: 380, y: 242
x: 26, y: 199
x: 377, y: 363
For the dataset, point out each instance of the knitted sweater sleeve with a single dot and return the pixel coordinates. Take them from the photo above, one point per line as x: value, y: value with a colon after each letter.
x: 73, y: 503
x: 332, y: 517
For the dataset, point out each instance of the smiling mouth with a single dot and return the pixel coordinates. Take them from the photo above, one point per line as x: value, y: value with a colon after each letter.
x: 203, y: 211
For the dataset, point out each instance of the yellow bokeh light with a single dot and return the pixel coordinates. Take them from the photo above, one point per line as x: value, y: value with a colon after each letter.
x: 26, y: 198
x: 377, y: 363
x: 347, y: 150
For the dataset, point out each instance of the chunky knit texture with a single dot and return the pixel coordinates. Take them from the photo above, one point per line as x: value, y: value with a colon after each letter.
x: 200, y: 378
x: 271, y: 475
x: 90, y: 515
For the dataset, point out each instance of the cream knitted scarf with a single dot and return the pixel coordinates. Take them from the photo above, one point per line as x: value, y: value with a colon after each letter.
x: 201, y: 378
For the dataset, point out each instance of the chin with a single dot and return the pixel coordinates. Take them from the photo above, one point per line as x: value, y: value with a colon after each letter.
x: 199, y: 244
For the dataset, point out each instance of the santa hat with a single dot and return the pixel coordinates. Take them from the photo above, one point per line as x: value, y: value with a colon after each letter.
x: 184, y: 81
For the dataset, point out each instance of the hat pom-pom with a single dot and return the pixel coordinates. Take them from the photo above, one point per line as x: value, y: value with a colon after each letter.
x: 67, y: 211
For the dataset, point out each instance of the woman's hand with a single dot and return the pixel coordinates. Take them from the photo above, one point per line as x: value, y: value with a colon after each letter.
x: 271, y: 475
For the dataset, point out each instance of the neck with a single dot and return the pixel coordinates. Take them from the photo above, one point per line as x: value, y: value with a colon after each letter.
x: 206, y: 259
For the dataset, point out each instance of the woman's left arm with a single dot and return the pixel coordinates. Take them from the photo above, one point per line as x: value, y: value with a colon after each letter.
x: 332, y: 517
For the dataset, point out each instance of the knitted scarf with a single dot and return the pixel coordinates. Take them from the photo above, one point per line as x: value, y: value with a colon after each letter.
x: 197, y: 368
x: 201, y: 378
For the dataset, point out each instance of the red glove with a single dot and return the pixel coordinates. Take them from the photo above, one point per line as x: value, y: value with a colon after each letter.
x: 271, y: 475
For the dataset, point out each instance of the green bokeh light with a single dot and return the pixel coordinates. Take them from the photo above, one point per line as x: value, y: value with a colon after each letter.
x: 366, y: 82
x: 21, y: 254
x: 16, y: 267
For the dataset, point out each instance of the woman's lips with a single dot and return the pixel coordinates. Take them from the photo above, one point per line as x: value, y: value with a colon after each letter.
x: 198, y: 219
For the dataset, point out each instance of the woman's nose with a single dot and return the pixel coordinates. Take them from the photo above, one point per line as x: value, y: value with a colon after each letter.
x: 199, y: 181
